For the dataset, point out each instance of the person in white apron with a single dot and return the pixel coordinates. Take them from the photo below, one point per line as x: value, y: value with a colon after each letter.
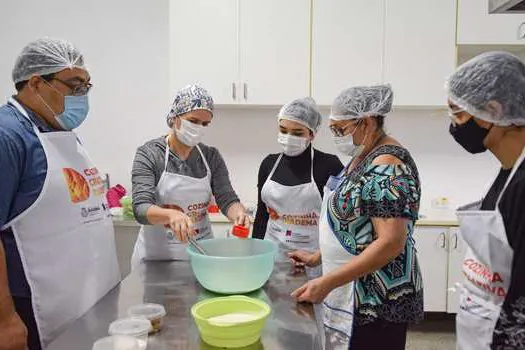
x: 361, y: 304
x: 288, y: 209
x: 172, y: 183
x: 65, y: 239
x: 486, y: 106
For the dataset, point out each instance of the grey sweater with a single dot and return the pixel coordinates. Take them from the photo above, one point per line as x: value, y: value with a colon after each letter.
x: 149, y: 165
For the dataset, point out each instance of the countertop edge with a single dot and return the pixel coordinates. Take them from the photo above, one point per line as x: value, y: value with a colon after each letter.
x: 221, y: 219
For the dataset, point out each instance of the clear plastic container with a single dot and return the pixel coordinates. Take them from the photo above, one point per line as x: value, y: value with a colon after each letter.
x: 117, y: 342
x: 138, y: 328
x: 153, y: 312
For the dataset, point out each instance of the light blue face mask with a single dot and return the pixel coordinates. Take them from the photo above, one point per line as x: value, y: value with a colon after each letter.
x: 76, y: 109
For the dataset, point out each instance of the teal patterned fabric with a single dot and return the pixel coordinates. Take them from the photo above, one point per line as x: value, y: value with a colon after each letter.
x: 395, y: 292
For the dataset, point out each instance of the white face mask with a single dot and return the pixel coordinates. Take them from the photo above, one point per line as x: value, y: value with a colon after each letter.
x: 189, y: 133
x: 292, y: 145
x: 345, y: 144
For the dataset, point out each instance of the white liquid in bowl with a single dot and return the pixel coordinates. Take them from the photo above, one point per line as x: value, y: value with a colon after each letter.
x: 233, y: 318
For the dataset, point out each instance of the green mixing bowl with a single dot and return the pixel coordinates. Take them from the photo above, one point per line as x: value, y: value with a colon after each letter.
x: 233, y: 265
x: 230, y: 335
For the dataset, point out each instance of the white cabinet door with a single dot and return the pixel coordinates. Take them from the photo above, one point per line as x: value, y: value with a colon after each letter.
x: 347, y: 46
x: 455, y: 267
x: 203, y: 46
x: 477, y: 26
x: 431, y: 244
x: 274, y: 50
x: 420, y: 50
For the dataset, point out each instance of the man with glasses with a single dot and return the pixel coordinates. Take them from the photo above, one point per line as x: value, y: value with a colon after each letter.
x: 57, y: 256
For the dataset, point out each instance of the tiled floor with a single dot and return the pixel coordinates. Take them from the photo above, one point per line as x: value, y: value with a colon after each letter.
x: 436, y: 332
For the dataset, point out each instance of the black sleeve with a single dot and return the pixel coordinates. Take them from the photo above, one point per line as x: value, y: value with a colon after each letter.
x: 512, y: 315
x: 262, y: 216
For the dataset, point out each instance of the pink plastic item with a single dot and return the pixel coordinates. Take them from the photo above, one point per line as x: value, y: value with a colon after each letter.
x: 114, y: 195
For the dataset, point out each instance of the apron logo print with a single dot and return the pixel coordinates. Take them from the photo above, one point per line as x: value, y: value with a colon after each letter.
x: 89, y: 211
x: 77, y: 185
x: 273, y: 214
x: 288, y: 233
x: 481, y: 276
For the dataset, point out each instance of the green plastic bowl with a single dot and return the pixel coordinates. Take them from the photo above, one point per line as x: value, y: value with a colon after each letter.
x: 233, y: 265
x: 230, y: 336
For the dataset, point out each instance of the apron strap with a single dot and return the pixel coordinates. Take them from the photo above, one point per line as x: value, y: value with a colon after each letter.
x: 512, y: 173
x: 312, y: 165
x: 167, y: 154
x: 279, y: 160
x: 22, y: 111
x: 274, y: 167
x: 208, y: 171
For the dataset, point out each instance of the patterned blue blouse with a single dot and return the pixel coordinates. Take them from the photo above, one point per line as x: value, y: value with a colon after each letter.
x: 394, y: 293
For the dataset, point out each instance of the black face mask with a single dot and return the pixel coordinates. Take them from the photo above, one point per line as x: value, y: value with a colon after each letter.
x: 470, y: 136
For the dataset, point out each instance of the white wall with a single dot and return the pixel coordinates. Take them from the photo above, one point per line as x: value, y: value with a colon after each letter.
x: 126, y: 45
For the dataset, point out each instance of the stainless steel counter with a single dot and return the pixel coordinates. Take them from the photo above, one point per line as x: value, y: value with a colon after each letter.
x: 290, y: 326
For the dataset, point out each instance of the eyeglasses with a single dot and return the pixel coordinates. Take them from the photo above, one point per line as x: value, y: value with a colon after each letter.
x: 339, y: 132
x: 76, y: 89
x: 452, y: 113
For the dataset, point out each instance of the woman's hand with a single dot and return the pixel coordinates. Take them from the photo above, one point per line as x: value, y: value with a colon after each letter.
x: 180, y: 224
x: 13, y: 333
x: 301, y: 258
x: 243, y: 219
x: 314, y: 291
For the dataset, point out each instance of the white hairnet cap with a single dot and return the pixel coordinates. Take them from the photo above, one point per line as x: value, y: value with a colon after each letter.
x: 46, y: 56
x: 487, y: 78
x: 303, y: 111
x: 361, y: 102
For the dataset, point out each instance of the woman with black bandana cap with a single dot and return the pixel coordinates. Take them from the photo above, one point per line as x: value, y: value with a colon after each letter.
x: 487, y: 107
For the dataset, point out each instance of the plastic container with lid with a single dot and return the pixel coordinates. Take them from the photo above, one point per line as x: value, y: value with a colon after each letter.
x: 117, y: 342
x: 153, y: 312
x: 240, y: 231
x: 138, y: 328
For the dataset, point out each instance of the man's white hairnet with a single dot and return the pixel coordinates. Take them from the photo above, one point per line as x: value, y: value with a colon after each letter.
x: 46, y: 56
x: 488, y: 78
x: 362, y: 102
x: 303, y: 111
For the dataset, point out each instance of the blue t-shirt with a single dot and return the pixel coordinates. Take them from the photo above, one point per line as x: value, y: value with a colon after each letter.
x: 23, y: 168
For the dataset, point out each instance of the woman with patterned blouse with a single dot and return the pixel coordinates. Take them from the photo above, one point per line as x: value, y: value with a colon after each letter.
x: 371, y: 287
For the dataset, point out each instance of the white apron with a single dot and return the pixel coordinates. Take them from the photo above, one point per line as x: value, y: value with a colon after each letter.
x: 487, y: 267
x: 66, y: 238
x: 187, y: 194
x: 294, y: 214
x: 339, y: 304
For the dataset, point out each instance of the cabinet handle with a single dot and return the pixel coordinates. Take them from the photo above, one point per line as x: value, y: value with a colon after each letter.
x: 443, y: 240
x: 521, y: 31
x: 234, y: 91
x: 455, y: 241
x: 245, y: 91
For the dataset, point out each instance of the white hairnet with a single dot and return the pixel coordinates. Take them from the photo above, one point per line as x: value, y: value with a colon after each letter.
x: 492, y: 76
x: 361, y: 102
x: 303, y: 111
x: 46, y: 56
